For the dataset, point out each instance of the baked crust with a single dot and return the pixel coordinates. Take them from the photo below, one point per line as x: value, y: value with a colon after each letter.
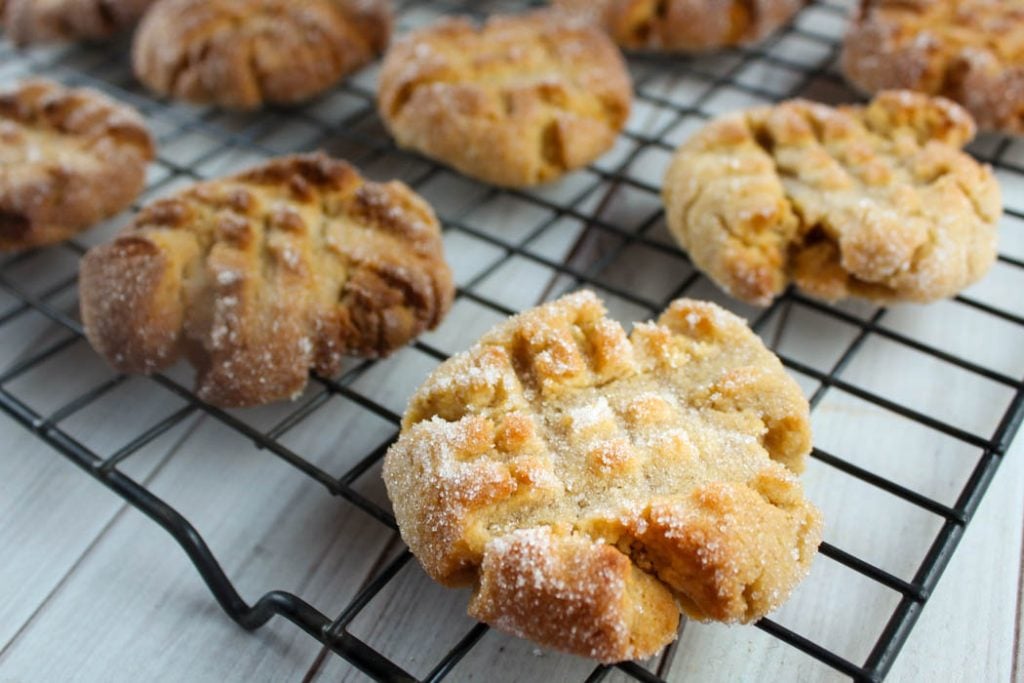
x: 583, y: 481
x: 241, y: 54
x: 259, y: 277
x: 971, y: 51
x: 69, y: 158
x: 517, y: 101
x: 39, y: 21
x: 875, y: 201
x: 685, y: 25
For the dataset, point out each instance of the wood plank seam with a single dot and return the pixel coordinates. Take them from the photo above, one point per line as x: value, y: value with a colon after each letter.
x: 325, y: 652
x: 118, y: 513
x: 1017, y: 667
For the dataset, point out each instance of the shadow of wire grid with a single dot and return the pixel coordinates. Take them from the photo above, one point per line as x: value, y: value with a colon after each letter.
x: 922, y: 460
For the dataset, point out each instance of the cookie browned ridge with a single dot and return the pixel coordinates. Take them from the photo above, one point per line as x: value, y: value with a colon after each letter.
x: 262, y: 276
x: 69, y: 158
x: 875, y: 201
x: 242, y: 54
x: 517, y: 101
x: 970, y: 51
x: 39, y: 21
x: 587, y: 484
x: 684, y: 25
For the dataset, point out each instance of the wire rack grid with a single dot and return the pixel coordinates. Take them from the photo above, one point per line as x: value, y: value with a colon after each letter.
x: 600, y: 228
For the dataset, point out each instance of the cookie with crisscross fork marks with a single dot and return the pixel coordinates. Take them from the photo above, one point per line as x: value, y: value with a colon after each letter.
x: 242, y: 54
x: 971, y: 51
x: 876, y: 201
x: 37, y: 21
x: 585, y: 482
x: 69, y: 158
x: 685, y: 25
x: 259, y: 277
x: 517, y: 101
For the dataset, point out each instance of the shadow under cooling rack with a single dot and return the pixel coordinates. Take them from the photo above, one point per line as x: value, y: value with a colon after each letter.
x: 876, y: 430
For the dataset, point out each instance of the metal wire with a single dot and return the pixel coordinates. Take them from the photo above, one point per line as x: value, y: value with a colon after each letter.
x: 601, y: 241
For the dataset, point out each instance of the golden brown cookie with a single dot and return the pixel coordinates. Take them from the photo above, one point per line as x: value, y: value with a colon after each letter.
x: 69, y: 158
x: 37, y: 21
x: 875, y: 201
x: 685, y: 25
x: 259, y: 277
x: 584, y: 482
x: 971, y: 51
x: 518, y: 101
x: 244, y: 53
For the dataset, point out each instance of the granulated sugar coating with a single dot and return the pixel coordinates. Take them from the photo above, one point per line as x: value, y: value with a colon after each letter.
x: 259, y: 277
x: 971, y: 51
x: 69, y: 158
x: 242, y: 54
x: 684, y: 25
x: 875, y: 201
x: 589, y: 484
x: 517, y: 101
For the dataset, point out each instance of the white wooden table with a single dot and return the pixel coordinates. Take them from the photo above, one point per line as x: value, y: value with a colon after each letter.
x: 91, y: 590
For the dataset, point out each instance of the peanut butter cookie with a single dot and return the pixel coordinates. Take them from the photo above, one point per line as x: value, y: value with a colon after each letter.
x: 39, y: 21
x: 241, y: 54
x: 260, y: 277
x: 69, y: 158
x: 971, y: 51
x: 518, y: 101
x: 875, y: 201
x: 685, y: 25
x: 585, y: 482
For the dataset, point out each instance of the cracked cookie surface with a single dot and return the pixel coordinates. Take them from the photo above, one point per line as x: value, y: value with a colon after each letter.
x: 875, y: 201
x: 685, y: 25
x: 241, y: 54
x: 39, y: 21
x: 587, y: 483
x: 971, y: 51
x: 260, y: 277
x: 69, y: 158
x: 517, y: 101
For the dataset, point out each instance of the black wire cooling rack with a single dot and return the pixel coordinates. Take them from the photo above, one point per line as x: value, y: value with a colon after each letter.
x: 673, y: 96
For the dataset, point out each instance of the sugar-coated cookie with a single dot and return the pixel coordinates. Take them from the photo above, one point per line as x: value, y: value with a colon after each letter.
x: 587, y: 483
x: 260, y: 277
x: 40, y: 21
x: 241, y: 54
x: 967, y: 50
x: 69, y: 158
x: 875, y: 201
x: 685, y: 25
x: 517, y: 101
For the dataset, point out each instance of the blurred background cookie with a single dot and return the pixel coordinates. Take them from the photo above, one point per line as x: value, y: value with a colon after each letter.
x: 35, y: 21
x: 685, y: 25
x: 260, y: 277
x: 517, y: 101
x: 244, y: 53
x: 967, y: 50
x: 584, y: 482
x: 875, y: 201
x: 69, y: 158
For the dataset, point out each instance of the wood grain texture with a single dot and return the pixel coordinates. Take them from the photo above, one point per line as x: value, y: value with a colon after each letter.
x: 50, y: 512
x: 968, y: 629
x: 136, y: 609
x: 1018, y: 645
x: 51, y: 516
